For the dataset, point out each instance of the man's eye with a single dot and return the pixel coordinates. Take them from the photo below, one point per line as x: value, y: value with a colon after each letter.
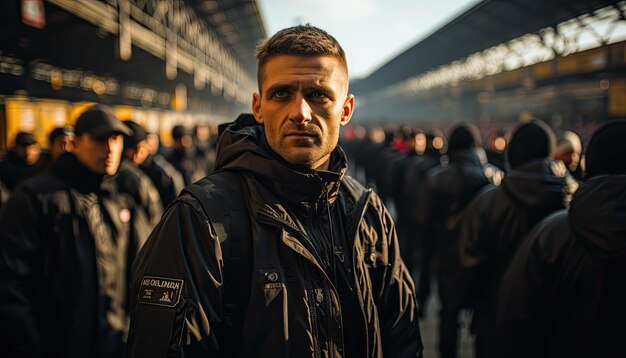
x: 281, y: 94
x: 319, y: 95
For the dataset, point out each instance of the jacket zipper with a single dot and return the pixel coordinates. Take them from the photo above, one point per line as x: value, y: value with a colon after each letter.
x: 271, y: 219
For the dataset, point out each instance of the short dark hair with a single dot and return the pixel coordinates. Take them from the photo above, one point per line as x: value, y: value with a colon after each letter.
x: 301, y: 40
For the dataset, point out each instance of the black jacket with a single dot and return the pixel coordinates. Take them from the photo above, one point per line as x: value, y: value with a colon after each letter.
x: 493, y: 225
x: 563, y: 294
x: 168, y: 181
x: 55, y: 228
x: 445, y: 193
x: 296, y: 304
x: 133, y: 181
x: 14, y: 170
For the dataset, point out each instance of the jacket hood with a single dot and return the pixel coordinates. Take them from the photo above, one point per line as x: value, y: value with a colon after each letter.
x: 243, y: 147
x: 598, y: 216
x: 541, y: 183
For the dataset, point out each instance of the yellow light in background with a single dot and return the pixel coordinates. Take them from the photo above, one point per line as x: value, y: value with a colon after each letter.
x: 56, y: 79
x: 500, y: 144
x: 420, y: 143
x: 98, y: 87
x: 438, y: 143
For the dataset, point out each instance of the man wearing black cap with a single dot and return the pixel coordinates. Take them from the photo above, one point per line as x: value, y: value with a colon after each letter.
x: 22, y: 162
x: 132, y: 180
x: 563, y: 294
x: 446, y: 191
x: 493, y: 225
x: 65, y: 246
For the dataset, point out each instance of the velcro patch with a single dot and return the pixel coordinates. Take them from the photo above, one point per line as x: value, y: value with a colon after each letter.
x: 160, y: 291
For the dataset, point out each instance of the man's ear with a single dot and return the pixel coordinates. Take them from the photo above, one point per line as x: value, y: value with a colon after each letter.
x: 348, y: 109
x: 256, y: 108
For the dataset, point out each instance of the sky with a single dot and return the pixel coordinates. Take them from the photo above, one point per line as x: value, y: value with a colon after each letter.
x: 372, y: 32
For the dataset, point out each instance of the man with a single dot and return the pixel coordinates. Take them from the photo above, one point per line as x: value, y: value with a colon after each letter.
x: 493, y: 225
x: 186, y: 158
x: 133, y: 181
x: 60, y: 140
x: 20, y: 163
x: 563, y: 294
x: 445, y: 193
x: 294, y: 258
x: 168, y: 181
x: 65, y: 247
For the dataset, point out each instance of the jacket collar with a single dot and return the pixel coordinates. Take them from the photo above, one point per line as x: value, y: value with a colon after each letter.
x: 76, y: 175
x: 243, y: 147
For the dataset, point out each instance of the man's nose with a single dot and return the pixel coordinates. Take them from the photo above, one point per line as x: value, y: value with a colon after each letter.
x: 300, y: 110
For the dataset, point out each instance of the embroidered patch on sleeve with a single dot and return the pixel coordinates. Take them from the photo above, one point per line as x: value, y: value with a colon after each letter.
x: 160, y: 291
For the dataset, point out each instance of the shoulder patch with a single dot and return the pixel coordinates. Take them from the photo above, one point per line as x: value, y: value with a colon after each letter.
x: 160, y: 291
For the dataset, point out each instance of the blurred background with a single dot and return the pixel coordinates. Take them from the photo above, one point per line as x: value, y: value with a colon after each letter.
x: 416, y: 67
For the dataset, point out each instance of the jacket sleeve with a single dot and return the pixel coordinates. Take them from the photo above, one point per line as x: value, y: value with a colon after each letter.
x: 177, y: 287
x: 475, y: 247
x: 21, y: 268
x: 396, y: 301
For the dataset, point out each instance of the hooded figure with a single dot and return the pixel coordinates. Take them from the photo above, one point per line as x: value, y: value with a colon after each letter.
x: 446, y: 192
x: 493, y: 225
x: 563, y: 294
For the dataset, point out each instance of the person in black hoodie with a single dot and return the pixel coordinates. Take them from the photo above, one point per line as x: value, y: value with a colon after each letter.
x: 65, y: 250
x: 493, y: 225
x: 445, y: 193
x: 278, y: 253
x: 563, y: 294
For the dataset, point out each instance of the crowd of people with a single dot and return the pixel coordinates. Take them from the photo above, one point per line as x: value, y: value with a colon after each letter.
x: 463, y: 210
x: 273, y: 240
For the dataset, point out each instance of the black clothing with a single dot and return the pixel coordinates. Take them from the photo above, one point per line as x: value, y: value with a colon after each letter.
x: 13, y: 170
x: 326, y: 277
x: 492, y: 227
x: 190, y: 163
x: 445, y: 193
x: 133, y: 181
x: 168, y: 181
x: 65, y: 247
x: 563, y: 294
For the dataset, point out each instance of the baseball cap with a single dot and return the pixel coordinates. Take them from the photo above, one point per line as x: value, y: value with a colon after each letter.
x: 138, y: 135
x: 24, y: 138
x: 100, y: 121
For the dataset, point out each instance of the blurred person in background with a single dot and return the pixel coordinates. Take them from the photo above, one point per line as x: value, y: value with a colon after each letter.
x: 60, y: 140
x: 492, y: 226
x: 569, y: 149
x: 21, y: 162
x: 133, y: 181
x: 563, y: 294
x: 431, y: 145
x: 66, y: 248
x: 205, y: 143
x: 185, y: 158
x: 168, y: 181
x: 497, y: 141
x: 445, y: 193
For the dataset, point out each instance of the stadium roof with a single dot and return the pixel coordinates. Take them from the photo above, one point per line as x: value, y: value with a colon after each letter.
x: 489, y: 23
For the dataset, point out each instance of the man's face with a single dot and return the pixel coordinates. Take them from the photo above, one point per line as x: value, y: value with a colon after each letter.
x: 100, y: 155
x: 142, y: 152
x: 302, y: 104
x: 60, y: 145
x: 29, y: 153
